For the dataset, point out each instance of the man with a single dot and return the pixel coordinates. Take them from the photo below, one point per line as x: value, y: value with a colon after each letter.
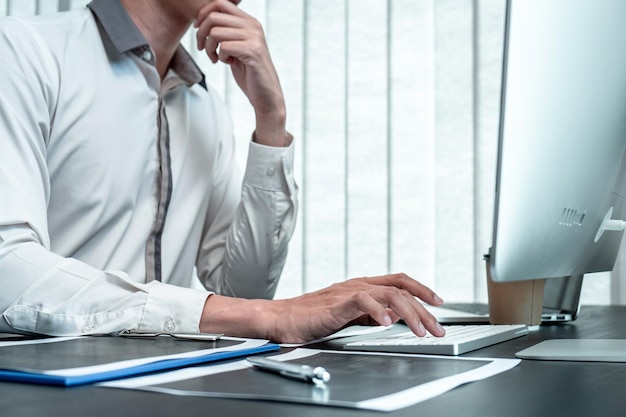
x: 117, y: 180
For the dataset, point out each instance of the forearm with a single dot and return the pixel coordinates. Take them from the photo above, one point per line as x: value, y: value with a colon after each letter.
x: 270, y: 129
x: 230, y: 35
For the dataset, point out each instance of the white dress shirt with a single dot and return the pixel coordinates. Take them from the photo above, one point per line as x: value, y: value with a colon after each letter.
x: 118, y: 190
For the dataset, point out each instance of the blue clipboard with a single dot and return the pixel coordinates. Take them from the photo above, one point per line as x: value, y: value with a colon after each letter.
x: 46, y: 362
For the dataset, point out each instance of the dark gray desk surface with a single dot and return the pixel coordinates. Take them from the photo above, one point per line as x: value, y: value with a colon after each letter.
x: 533, y: 388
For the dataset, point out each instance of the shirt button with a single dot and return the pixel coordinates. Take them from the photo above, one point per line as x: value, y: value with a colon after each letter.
x: 146, y: 56
x: 270, y: 171
x: 170, y: 326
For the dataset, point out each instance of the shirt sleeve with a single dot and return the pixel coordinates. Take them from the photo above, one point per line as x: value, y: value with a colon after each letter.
x: 244, y: 247
x: 43, y: 292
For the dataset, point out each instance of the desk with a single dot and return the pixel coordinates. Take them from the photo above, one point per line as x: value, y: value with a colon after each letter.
x: 533, y: 388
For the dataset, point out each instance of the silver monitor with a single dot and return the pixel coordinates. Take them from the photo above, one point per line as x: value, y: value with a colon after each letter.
x: 561, y: 176
x: 562, y: 139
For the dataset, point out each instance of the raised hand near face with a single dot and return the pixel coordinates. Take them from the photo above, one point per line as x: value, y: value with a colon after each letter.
x: 231, y: 36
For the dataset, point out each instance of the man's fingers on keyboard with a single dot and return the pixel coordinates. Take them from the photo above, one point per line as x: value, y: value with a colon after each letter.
x: 431, y: 323
x: 404, y: 304
x: 405, y: 282
x: 368, y: 305
x: 418, y: 317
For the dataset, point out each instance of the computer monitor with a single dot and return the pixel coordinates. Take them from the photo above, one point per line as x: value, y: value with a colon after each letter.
x: 561, y: 175
x: 562, y: 139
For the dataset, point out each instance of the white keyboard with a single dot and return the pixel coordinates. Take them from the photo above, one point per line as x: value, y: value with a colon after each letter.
x: 458, y: 339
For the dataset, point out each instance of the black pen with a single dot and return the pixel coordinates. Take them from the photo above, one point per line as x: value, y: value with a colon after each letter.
x: 305, y: 373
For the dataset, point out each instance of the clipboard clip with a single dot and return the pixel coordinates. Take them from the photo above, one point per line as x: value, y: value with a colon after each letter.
x: 210, y: 337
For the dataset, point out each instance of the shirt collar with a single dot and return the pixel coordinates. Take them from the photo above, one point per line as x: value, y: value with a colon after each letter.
x: 126, y: 37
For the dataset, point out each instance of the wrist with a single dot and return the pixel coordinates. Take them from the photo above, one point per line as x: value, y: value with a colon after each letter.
x: 270, y: 130
x: 238, y: 317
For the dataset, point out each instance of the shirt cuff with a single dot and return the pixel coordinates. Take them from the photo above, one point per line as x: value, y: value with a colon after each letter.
x: 173, y: 309
x: 270, y: 167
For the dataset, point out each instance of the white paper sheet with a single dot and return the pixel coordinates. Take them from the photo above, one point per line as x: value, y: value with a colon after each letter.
x: 410, y: 395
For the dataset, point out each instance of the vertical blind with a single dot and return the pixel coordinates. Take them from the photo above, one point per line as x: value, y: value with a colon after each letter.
x: 394, y: 105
